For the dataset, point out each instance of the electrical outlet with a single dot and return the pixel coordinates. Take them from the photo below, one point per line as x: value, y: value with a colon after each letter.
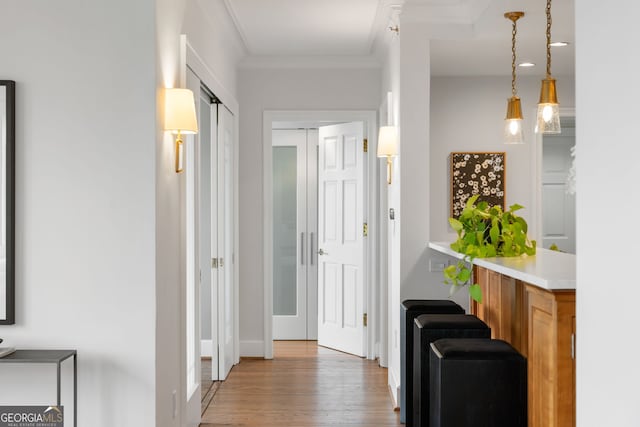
x: 437, y: 265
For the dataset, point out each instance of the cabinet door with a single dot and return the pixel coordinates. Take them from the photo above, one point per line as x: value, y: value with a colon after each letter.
x: 551, y: 362
x: 541, y: 366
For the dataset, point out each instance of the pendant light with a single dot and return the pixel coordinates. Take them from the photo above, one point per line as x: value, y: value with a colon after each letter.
x: 513, y: 120
x: 548, y: 120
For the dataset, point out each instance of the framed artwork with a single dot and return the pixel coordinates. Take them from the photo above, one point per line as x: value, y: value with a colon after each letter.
x: 7, y: 201
x: 477, y: 173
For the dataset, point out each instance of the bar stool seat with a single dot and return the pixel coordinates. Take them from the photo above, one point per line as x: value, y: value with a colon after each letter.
x: 427, y: 329
x: 409, y: 310
x: 477, y: 383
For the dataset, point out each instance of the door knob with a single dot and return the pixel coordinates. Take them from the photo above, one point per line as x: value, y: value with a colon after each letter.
x: 321, y: 252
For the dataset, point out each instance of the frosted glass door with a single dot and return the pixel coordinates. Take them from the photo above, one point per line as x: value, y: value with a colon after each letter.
x: 285, y: 231
x: 290, y: 234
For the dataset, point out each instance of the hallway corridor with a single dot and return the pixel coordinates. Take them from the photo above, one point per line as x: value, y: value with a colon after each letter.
x: 303, y: 386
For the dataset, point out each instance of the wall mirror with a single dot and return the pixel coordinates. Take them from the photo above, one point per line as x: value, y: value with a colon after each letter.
x: 7, y: 198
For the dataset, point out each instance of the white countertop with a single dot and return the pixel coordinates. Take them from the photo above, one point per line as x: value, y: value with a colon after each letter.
x: 551, y: 270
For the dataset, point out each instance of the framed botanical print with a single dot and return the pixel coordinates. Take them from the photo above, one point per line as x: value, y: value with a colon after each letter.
x: 477, y: 173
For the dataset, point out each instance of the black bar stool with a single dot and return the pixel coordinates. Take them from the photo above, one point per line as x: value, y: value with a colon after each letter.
x: 409, y: 310
x: 477, y: 383
x: 429, y: 328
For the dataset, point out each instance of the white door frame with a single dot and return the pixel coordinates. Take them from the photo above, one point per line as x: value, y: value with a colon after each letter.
x: 371, y: 274
x: 536, y: 190
x: 190, y: 58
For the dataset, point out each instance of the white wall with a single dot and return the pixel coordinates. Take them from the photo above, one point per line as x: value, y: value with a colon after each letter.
x: 607, y: 146
x: 85, y: 202
x: 467, y: 114
x: 98, y: 201
x: 280, y: 89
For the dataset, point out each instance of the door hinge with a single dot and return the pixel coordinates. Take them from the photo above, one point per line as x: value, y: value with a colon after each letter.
x: 364, y: 319
x: 365, y: 229
x: 221, y: 262
x: 365, y: 145
x: 214, y: 262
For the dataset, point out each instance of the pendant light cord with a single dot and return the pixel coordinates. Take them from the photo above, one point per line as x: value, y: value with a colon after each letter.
x: 514, y: 31
x: 548, y: 39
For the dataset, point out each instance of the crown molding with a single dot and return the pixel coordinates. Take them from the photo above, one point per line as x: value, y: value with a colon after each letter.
x: 236, y: 23
x: 310, y: 62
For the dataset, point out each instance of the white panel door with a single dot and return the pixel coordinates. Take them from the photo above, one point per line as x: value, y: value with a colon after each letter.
x: 340, y: 238
x: 558, y: 207
x: 223, y: 248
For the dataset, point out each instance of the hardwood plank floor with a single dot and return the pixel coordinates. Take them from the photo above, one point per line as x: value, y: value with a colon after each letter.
x: 303, y: 386
x: 208, y: 387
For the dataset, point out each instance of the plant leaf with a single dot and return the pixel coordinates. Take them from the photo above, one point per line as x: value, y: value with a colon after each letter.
x: 450, y: 272
x: 464, y: 275
x: 515, y: 207
x: 455, y: 224
x: 494, y: 233
x: 472, y: 200
x: 475, y: 292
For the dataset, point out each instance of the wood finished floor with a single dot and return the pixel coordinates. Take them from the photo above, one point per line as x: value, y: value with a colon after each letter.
x: 208, y: 387
x: 303, y: 386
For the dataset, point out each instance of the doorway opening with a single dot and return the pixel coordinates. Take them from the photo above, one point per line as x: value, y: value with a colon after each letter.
x: 319, y: 184
x: 555, y: 195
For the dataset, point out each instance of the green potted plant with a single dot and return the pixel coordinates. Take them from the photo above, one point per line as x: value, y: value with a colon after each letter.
x: 485, y: 231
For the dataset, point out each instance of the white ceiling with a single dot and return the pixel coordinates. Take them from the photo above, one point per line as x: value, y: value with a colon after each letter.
x: 307, y: 28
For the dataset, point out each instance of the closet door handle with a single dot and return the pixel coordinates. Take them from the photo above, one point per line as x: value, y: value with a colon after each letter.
x: 301, y: 248
x: 311, y: 248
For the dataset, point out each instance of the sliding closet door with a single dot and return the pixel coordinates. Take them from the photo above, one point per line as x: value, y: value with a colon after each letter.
x: 224, y: 245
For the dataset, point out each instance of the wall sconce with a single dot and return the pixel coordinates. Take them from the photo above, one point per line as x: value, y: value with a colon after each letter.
x: 179, y: 118
x: 388, y: 147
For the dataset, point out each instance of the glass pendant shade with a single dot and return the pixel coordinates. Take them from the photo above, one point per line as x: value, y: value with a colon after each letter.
x: 548, y: 117
x: 513, y: 122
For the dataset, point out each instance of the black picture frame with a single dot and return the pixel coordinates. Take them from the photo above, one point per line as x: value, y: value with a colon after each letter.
x: 10, y: 129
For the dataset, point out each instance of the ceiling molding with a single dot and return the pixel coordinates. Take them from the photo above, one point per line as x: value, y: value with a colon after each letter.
x: 386, y: 16
x: 310, y: 62
x: 228, y: 5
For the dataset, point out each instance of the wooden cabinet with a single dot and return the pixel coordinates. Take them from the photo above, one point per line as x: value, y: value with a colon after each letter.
x: 541, y: 325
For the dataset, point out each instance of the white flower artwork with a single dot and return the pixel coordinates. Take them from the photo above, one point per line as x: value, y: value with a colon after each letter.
x: 477, y: 173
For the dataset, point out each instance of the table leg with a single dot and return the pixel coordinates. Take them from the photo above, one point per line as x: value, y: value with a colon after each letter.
x: 75, y: 391
x: 58, y: 382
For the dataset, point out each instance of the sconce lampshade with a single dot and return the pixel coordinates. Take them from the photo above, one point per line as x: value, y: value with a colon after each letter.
x: 387, y: 141
x: 180, y: 111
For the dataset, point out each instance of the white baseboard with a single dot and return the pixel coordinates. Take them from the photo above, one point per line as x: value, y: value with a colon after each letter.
x: 206, y: 348
x: 394, y: 389
x: 252, y: 348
